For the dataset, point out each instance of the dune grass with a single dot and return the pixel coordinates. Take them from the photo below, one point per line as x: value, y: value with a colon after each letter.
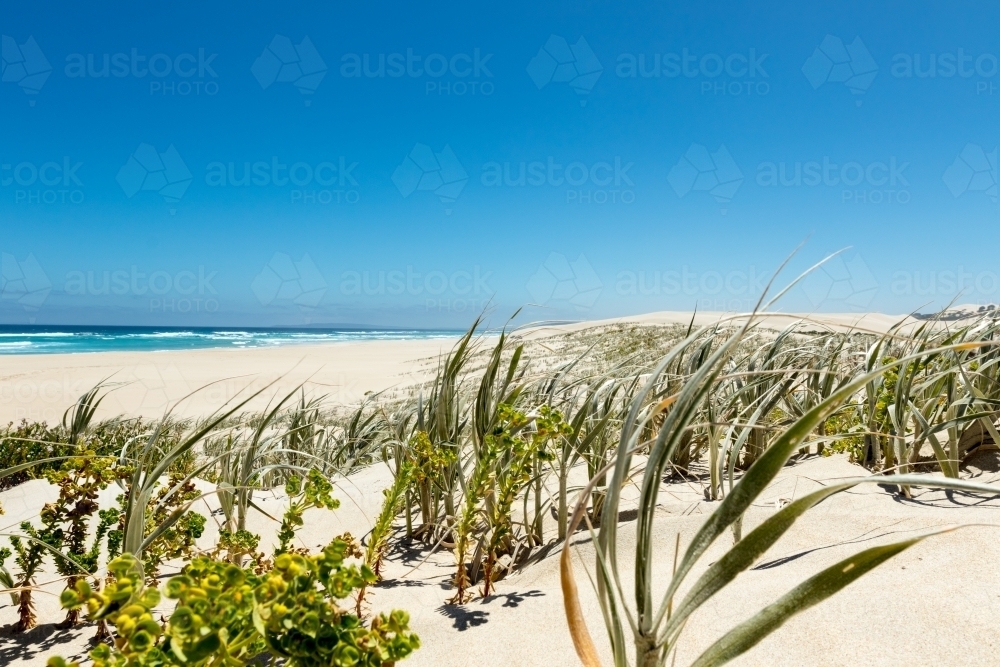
x: 517, y: 442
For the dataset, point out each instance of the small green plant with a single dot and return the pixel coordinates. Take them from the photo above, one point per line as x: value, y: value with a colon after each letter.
x: 469, y: 518
x: 30, y: 549
x: 378, y: 539
x: 238, y: 545
x: 79, y: 480
x: 227, y: 615
x: 429, y: 463
x: 27, y: 443
x: 6, y: 579
x: 519, y: 457
x: 65, y: 532
x: 848, y: 432
x: 505, y: 464
x: 315, y: 492
x: 301, y: 623
x: 178, y: 540
x: 127, y: 604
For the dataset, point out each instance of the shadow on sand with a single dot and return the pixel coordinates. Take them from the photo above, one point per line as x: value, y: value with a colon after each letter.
x: 38, y: 643
x: 465, y: 618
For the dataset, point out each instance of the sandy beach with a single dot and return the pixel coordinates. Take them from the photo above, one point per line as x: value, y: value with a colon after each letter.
x: 936, y: 599
x: 460, y: 334
x: 41, y: 386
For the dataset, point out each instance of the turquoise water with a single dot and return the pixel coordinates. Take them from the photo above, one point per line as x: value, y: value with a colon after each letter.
x: 51, y: 340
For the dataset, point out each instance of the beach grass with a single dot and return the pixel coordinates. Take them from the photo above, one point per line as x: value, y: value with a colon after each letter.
x: 516, y: 443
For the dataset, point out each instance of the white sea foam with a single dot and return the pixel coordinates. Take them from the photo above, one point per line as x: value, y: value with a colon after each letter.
x: 108, y: 340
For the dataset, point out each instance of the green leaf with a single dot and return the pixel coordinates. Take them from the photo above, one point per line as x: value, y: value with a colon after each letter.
x: 810, y: 592
x: 764, y: 470
x: 745, y: 552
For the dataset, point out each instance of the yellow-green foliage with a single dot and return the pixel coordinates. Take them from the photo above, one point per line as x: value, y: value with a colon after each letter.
x: 316, y: 492
x: 178, y: 541
x: 503, y: 467
x: 428, y: 461
x: 226, y: 614
x: 848, y: 428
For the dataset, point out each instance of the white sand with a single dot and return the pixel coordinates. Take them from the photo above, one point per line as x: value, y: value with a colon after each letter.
x: 935, y: 604
x: 861, y: 322
x: 41, y: 386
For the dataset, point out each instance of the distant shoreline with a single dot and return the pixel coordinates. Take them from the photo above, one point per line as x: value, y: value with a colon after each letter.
x: 45, y: 339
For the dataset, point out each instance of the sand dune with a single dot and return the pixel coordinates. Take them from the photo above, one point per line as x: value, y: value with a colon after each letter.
x: 875, y: 323
x: 41, y: 387
x: 931, y: 604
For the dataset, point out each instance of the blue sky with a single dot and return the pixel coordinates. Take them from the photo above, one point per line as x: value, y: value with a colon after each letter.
x: 659, y: 147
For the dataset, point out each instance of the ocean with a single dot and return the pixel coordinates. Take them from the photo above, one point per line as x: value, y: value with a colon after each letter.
x: 56, y: 339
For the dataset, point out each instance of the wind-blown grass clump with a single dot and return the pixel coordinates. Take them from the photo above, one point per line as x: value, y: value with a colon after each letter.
x: 516, y: 442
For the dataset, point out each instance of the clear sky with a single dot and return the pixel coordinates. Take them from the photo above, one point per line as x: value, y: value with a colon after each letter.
x: 222, y: 163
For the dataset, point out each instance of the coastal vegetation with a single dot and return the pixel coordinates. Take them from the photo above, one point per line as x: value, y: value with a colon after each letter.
x: 516, y: 444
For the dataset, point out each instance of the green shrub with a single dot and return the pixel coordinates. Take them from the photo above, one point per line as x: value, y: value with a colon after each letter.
x: 30, y: 442
x: 230, y: 615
